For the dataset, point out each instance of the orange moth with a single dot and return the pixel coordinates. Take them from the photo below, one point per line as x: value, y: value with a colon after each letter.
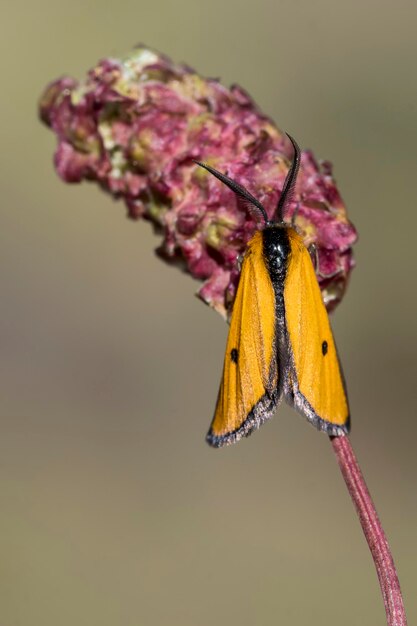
x: 280, y: 342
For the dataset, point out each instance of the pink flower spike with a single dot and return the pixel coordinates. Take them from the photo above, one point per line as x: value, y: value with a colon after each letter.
x: 134, y: 126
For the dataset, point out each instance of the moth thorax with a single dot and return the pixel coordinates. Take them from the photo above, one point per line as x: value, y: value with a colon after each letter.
x: 276, y: 249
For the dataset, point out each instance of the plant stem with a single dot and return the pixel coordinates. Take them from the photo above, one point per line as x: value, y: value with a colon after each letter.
x: 375, y: 536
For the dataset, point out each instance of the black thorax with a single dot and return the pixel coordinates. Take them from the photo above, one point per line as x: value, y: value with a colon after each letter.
x: 276, y: 249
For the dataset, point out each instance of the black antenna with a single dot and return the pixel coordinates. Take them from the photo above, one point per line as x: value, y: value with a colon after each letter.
x: 239, y: 190
x: 289, y: 184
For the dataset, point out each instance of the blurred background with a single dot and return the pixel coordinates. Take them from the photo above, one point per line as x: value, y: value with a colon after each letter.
x: 113, y: 509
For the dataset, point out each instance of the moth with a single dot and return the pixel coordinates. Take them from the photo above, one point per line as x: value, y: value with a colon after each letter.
x: 280, y: 342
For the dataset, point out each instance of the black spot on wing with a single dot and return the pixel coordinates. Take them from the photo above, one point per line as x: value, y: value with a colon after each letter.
x: 234, y: 355
x: 324, y: 348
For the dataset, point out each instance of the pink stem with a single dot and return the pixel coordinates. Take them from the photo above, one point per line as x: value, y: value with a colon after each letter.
x: 373, y: 531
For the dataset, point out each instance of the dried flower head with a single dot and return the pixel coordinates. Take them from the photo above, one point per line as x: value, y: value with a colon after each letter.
x: 135, y: 126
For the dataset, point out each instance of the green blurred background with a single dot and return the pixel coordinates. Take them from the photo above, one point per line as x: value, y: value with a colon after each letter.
x: 114, y: 512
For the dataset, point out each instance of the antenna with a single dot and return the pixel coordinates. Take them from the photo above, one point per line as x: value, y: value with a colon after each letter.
x: 289, y: 184
x: 249, y: 201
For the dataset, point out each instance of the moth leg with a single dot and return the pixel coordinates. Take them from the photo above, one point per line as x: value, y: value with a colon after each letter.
x: 294, y: 215
x: 312, y: 249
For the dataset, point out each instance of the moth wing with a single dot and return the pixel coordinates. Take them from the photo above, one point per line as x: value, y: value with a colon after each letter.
x: 248, y: 391
x: 315, y: 384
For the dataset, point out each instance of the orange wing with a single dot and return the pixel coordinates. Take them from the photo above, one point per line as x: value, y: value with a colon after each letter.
x: 248, y: 392
x: 314, y: 382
